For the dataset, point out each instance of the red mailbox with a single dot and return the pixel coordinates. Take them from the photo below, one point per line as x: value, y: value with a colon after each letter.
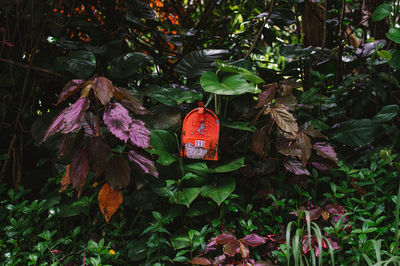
x: 200, y: 134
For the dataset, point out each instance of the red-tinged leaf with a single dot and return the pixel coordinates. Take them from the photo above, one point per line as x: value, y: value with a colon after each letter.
x: 320, y: 166
x: 284, y: 119
x: 117, y: 120
x: 288, y: 147
x: 129, y: 101
x: 232, y: 248
x: 289, y: 101
x: 98, y: 152
x: 335, y: 208
x: 211, y: 246
x: 334, y: 244
x: 90, y: 124
x: 268, y: 94
x: 79, y: 170
x: 118, y: 173
x: 224, y: 238
x: 139, y: 135
x: 324, y: 149
x: 66, y: 180
x: 103, y: 89
x: 109, y: 201
x: 244, y: 250
x: 258, y: 142
x: 277, y: 238
x: 144, y: 163
x: 7, y: 43
x: 69, y: 119
x: 253, y: 240
x: 220, y: 259
x: 70, y: 88
x: 200, y: 261
x: 304, y: 144
x: 315, y: 213
x: 294, y: 166
x: 64, y: 146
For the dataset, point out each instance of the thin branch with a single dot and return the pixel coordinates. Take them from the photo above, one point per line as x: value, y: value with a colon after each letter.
x: 32, y: 67
x: 260, y: 30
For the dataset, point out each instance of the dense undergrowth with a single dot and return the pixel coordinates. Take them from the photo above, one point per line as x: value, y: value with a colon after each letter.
x: 307, y: 95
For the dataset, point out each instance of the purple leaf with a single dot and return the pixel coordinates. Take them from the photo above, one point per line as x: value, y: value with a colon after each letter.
x: 69, y: 119
x: 224, y: 238
x: 79, y: 170
x: 69, y: 88
x: 320, y: 166
x: 145, y: 164
x: 231, y: 248
x: 64, y: 147
x: 98, y: 152
x: 90, y: 124
x: 103, y: 89
x: 117, y: 120
x: 335, y: 208
x: 139, y: 135
x: 253, y: 240
x: 211, y: 245
x: 324, y: 149
x: 334, y: 244
x: 295, y: 166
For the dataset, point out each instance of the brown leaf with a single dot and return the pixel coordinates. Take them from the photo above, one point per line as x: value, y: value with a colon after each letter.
x: 313, y: 132
x: 231, y: 248
x: 325, y: 215
x: 64, y: 146
x: 288, y: 147
x: 244, y: 250
x: 129, y: 101
x: 258, y: 142
x: 118, y: 173
x: 86, y: 87
x: 103, y: 89
x: 361, y: 191
x: 200, y: 261
x: 65, y: 181
x: 70, y: 88
x: 79, y: 170
x: 267, y: 95
x: 289, y: 101
x: 109, y: 201
x: 304, y: 144
x: 284, y: 119
x: 98, y: 152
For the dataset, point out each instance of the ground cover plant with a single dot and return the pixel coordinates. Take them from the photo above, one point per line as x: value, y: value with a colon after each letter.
x: 93, y: 98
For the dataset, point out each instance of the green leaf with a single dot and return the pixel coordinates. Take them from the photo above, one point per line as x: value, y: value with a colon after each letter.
x: 239, y: 125
x: 387, y: 113
x: 80, y: 63
x: 232, y: 166
x: 180, y: 241
x: 175, y: 96
x: 187, y: 196
x: 394, y: 35
x: 248, y: 75
x: 4, y: 156
x: 395, y: 61
x: 381, y: 12
x: 356, y: 133
x: 195, y: 63
x: 385, y: 54
x: 221, y: 192
x: 126, y: 65
x: 230, y: 85
x: 164, y: 145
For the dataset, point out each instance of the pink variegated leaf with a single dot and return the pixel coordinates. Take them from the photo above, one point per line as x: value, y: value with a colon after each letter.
x: 211, y: 245
x: 117, y: 120
x: 139, y: 135
x: 69, y: 88
x: 324, y: 149
x: 144, y: 163
x: 253, y: 240
x: 69, y: 119
x: 295, y: 166
x: 232, y: 248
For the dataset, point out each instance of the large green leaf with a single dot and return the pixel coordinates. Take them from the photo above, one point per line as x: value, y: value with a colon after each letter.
x: 394, y: 35
x: 80, y: 63
x: 395, y: 61
x: 248, y: 75
x: 180, y: 240
x: 175, y: 96
x: 230, y: 85
x: 387, y: 113
x: 221, y: 192
x: 195, y: 63
x: 381, y: 12
x: 126, y: 65
x: 232, y: 166
x: 239, y: 125
x: 356, y: 133
x: 164, y: 145
x: 187, y: 195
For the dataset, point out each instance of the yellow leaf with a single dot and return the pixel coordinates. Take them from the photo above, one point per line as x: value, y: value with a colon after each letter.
x: 109, y: 201
x: 66, y: 180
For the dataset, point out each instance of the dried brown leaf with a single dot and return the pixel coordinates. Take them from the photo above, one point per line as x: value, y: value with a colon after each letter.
x: 109, y: 201
x: 66, y: 180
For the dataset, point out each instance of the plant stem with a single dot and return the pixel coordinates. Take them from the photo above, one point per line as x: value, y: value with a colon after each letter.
x: 396, y: 245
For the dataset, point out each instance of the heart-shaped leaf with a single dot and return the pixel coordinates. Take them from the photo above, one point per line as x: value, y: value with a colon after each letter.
x: 248, y: 75
x: 80, y: 63
x: 230, y: 85
x: 221, y: 192
x: 109, y: 201
x: 387, y: 113
x: 356, y: 133
x: 187, y: 195
x: 128, y: 64
x: 175, y: 96
x: 394, y: 35
x: 381, y: 12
